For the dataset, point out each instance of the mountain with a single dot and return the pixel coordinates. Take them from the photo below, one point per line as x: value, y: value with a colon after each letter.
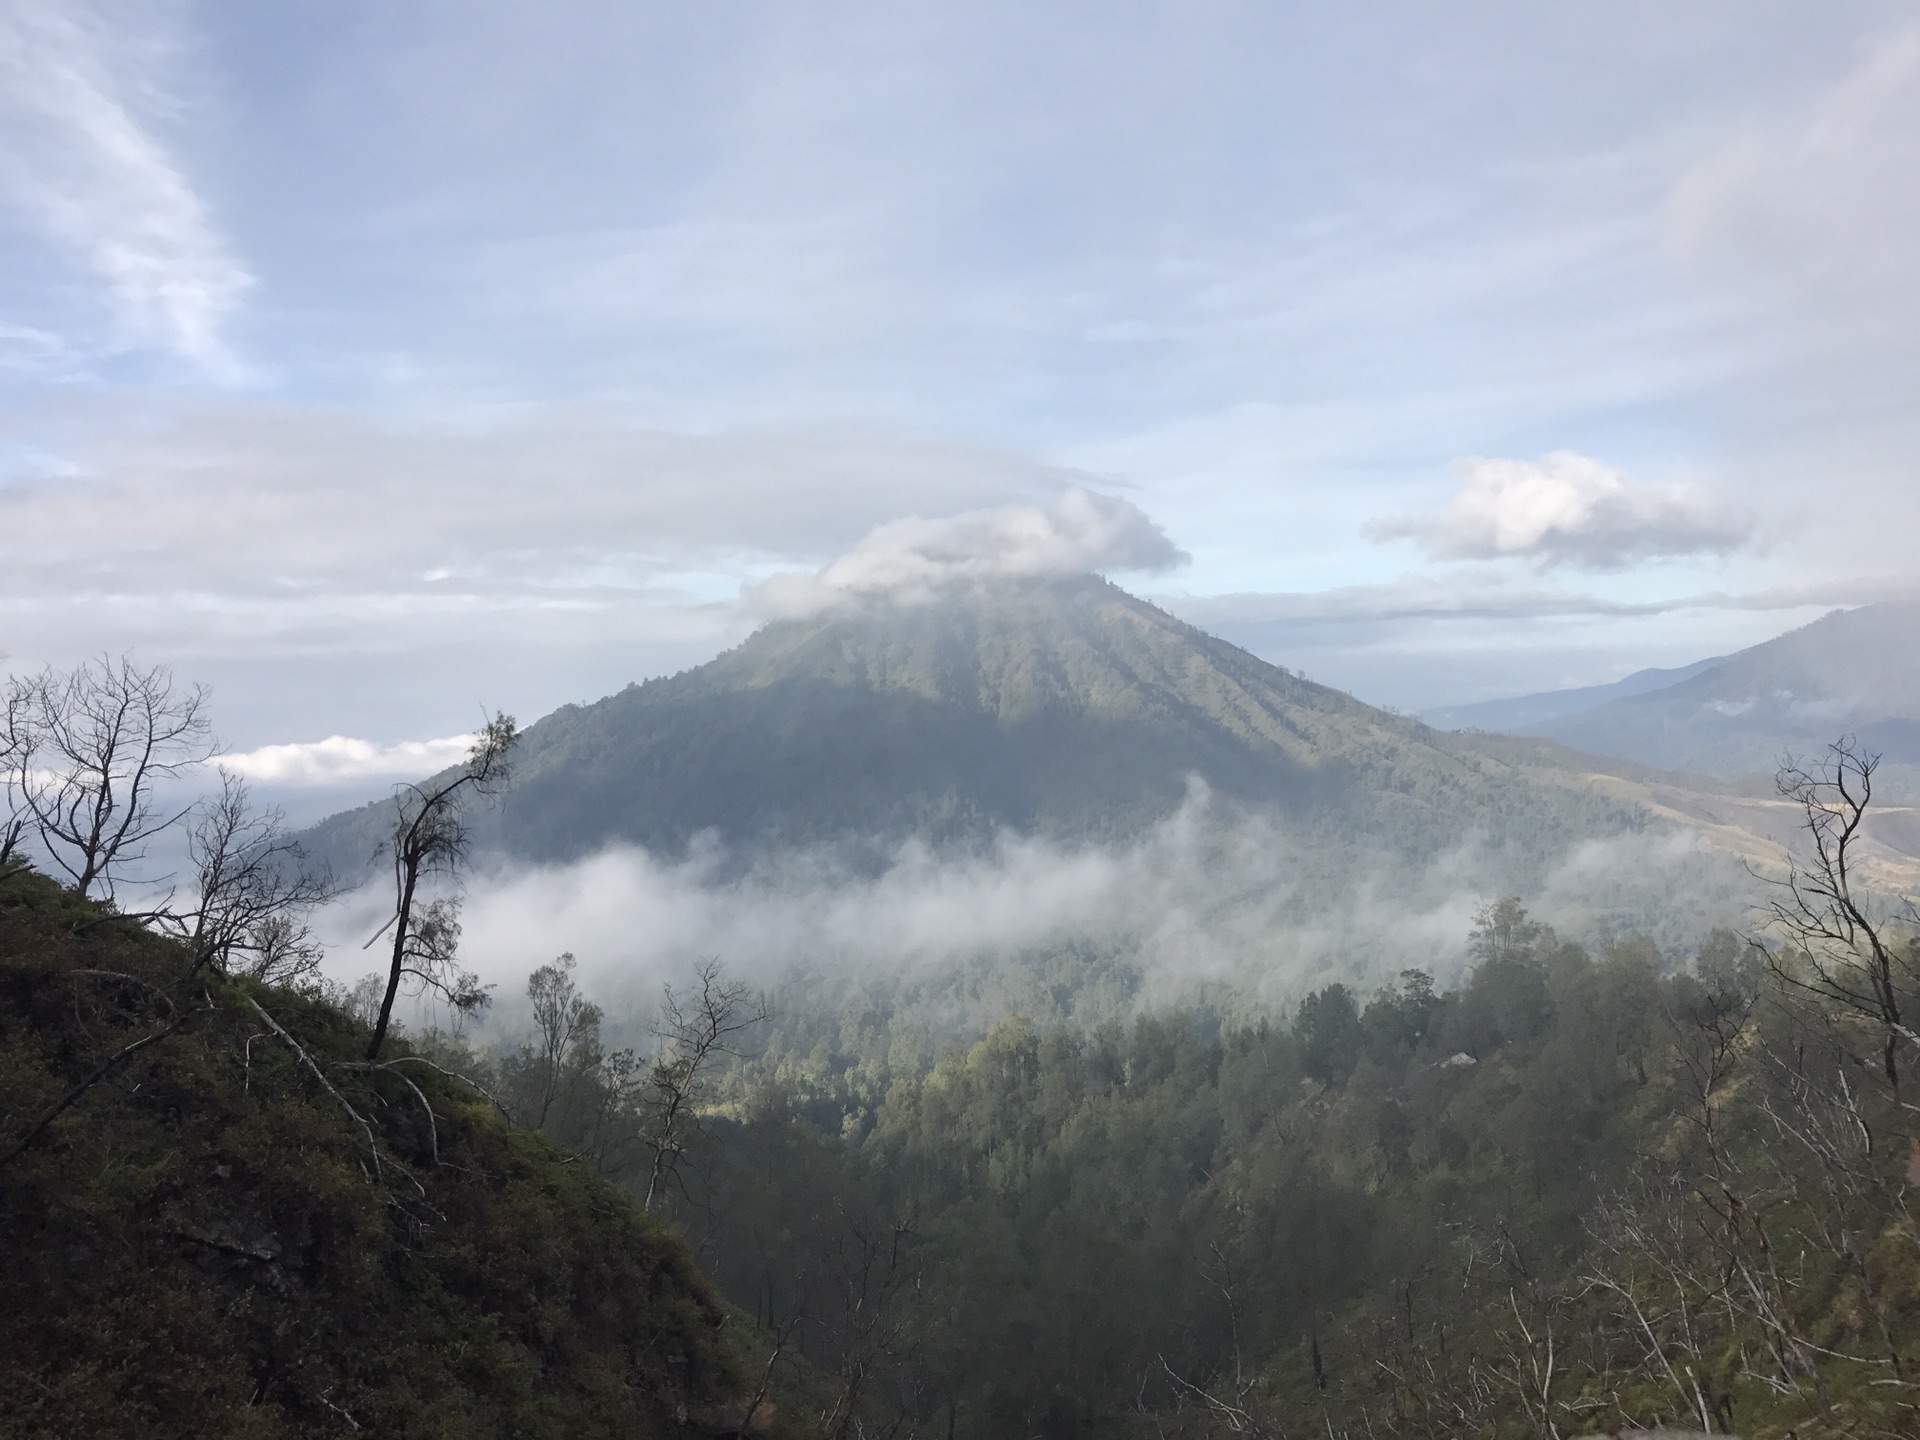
x: 1522, y: 713
x: 1852, y: 671
x: 1061, y: 707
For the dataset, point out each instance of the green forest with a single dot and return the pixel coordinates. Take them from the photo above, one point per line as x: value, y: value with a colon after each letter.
x: 1580, y: 1193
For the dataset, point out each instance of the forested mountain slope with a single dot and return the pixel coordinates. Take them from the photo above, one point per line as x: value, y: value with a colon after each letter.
x: 1059, y: 707
x: 238, y: 1227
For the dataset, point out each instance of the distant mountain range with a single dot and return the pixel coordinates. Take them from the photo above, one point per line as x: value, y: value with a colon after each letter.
x: 1524, y: 713
x: 1060, y: 707
x: 1851, y: 672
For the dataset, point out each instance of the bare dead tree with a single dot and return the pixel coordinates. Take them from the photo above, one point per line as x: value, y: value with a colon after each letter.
x: 695, y: 1029
x: 1689, y: 1259
x: 1232, y: 1414
x: 1845, y: 1207
x: 1642, y: 1266
x: 87, y: 754
x: 1834, y: 947
x: 253, y: 891
x: 430, y: 839
x: 1533, y: 1364
x: 871, y: 1269
x: 13, y: 745
x: 783, y: 1335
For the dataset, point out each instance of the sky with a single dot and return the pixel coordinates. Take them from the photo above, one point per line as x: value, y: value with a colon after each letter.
x: 387, y: 363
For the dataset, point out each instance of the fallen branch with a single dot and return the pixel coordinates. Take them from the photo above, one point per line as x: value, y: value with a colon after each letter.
x: 373, y: 1145
x: 468, y: 1081
x: 433, y: 1124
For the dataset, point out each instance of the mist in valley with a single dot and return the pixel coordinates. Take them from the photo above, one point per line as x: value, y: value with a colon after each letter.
x: 1215, y: 906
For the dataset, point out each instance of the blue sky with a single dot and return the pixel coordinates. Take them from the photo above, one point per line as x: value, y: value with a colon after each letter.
x: 383, y: 361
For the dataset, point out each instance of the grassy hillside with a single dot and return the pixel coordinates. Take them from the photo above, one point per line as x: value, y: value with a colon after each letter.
x: 239, y: 1230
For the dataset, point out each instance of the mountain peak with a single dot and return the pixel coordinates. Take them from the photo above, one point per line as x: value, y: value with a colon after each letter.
x: 1056, y: 705
x: 1015, y: 648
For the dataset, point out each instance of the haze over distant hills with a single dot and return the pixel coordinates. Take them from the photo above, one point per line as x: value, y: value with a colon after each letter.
x: 1853, y: 671
x: 1522, y: 713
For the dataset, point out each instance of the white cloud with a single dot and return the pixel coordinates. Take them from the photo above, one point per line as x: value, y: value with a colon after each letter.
x: 287, y: 530
x: 915, y: 559
x: 1569, y: 509
x: 1203, y: 898
x: 87, y: 170
x: 339, y: 759
x: 333, y: 573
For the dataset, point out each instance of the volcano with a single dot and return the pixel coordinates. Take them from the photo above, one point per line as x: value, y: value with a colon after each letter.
x: 1063, y: 707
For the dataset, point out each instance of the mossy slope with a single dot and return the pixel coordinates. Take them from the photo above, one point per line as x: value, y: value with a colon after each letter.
x: 207, y: 1244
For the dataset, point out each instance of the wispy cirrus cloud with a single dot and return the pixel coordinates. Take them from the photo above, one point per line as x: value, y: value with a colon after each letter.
x: 1566, y: 509
x: 1823, y: 199
x: 1430, y: 598
x: 83, y: 163
x: 239, y: 528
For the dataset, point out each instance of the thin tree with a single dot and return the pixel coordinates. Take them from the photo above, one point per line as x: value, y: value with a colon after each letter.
x: 695, y: 1029
x: 12, y: 742
x: 1822, y: 908
x: 562, y: 1016
x: 430, y: 839
x: 254, y: 888
x: 88, y: 752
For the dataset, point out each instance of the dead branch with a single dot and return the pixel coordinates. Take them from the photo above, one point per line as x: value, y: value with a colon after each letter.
x: 292, y: 1044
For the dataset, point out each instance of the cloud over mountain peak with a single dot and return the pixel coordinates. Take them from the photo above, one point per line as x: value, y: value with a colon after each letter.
x: 917, y: 558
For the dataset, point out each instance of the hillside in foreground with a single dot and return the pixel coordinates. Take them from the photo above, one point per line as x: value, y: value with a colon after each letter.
x: 238, y: 1231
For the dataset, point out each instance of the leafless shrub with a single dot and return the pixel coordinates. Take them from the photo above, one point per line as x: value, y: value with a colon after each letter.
x: 87, y: 753
x: 695, y: 1029
x: 1835, y: 948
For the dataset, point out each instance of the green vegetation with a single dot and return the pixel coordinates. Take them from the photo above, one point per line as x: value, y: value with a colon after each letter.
x: 220, y: 1220
x: 1061, y: 707
x: 1582, y: 1192
x: 1591, y: 1188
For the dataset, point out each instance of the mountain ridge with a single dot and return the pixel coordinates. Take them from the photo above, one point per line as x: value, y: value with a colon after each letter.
x: 1850, y: 671
x: 1059, y: 706
x: 1522, y: 712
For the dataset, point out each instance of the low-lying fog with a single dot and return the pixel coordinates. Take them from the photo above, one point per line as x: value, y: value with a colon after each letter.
x: 1229, y: 908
